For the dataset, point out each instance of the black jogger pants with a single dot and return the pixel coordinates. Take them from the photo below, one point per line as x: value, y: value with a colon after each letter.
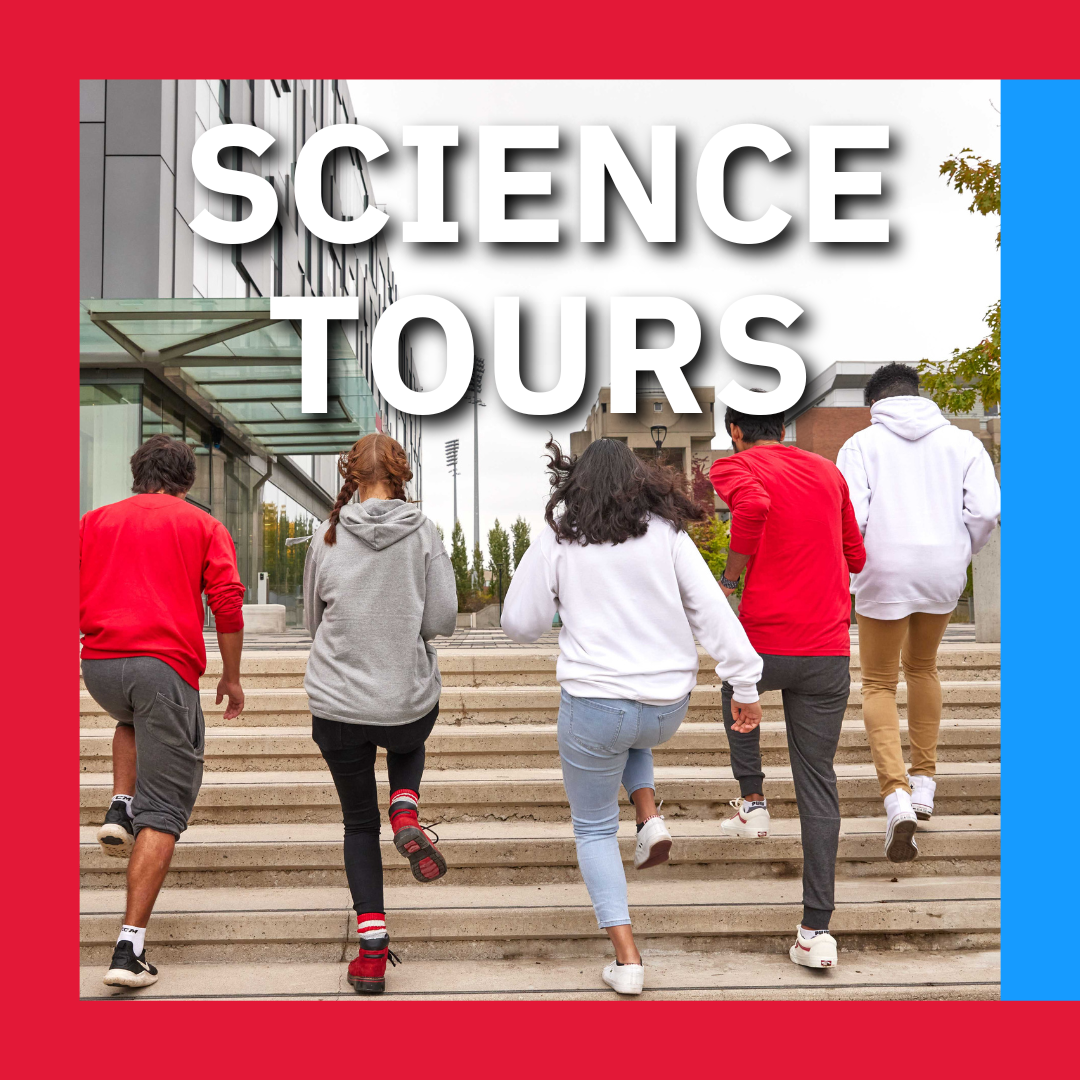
x: 349, y: 750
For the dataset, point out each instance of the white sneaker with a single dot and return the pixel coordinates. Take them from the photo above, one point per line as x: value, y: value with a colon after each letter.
x: 900, y: 827
x: 625, y: 978
x: 922, y: 796
x: 653, y: 844
x: 816, y: 952
x: 746, y: 823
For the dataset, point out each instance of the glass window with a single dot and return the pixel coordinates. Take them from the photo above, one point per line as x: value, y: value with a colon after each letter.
x: 197, y: 436
x: 108, y: 436
x: 239, y: 520
x: 160, y: 418
x: 283, y: 519
x: 275, y: 255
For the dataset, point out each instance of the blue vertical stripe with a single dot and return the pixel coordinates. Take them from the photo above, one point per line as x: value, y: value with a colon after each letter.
x: 1040, y: 623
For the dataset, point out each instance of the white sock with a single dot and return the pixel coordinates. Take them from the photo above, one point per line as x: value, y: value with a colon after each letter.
x: 898, y: 801
x: 808, y: 934
x: 370, y: 927
x: 126, y: 799
x: 136, y: 935
x: 754, y: 804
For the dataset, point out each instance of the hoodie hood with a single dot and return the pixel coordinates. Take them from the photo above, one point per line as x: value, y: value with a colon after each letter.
x: 909, y: 417
x: 380, y: 523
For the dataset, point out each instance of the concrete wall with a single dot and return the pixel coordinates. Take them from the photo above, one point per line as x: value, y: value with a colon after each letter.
x: 688, y: 437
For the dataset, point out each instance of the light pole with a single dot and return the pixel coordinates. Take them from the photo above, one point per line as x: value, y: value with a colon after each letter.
x: 659, y: 434
x: 474, y: 395
x: 451, y: 464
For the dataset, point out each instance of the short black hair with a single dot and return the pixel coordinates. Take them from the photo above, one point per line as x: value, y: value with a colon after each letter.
x: 755, y: 428
x: 892, y: 380
x: 162, y: 463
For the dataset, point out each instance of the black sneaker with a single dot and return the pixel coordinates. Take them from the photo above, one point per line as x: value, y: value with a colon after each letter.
x: 117, y: 835
x: 127, y: 969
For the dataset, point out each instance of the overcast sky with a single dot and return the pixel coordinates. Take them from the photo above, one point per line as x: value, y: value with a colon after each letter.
x: 920, y: 295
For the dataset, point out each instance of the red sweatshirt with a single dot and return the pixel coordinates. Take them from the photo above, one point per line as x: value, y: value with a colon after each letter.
x: 144, y: 564
x: 790, y: 512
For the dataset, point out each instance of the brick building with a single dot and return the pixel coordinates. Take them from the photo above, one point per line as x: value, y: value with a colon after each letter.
x: 830, y: 411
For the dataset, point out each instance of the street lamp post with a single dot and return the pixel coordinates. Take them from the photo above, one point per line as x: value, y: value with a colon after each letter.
x: 451, y: 464
x: 474, y: 395
x: 659, y: 434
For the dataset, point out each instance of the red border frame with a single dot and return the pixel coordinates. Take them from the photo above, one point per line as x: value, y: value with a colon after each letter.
x: 50, y: 1028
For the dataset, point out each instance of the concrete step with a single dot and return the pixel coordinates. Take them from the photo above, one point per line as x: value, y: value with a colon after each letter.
x: 536, y: 667
x: 540, y: 704
x: 865, y: 976
x: 535, y: 853
x: 537, y: 794
x: 291, y: 749
x: 943, y: 914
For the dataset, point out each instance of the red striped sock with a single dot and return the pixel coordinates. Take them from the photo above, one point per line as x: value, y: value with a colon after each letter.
x: 404, y: 805
x: 371, y: 923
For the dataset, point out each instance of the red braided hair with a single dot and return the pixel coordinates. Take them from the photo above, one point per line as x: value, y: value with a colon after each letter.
x: 375, y: 459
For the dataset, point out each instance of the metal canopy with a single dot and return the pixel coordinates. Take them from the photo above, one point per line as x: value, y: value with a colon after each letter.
x: 237, y: 362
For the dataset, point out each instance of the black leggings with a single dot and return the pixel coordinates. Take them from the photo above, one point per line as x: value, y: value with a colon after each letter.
x: 349, y: 750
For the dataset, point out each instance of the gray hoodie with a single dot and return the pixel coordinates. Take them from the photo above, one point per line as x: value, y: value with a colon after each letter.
x: 372, y: 602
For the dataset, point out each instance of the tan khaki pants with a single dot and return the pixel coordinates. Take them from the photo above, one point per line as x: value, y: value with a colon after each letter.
x: 884, y: 646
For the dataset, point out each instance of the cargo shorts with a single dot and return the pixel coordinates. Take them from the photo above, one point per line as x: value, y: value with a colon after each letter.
x: 170, y: 732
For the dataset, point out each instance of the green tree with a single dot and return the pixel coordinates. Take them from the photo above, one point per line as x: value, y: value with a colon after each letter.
x: 459, y: 560
x: 520, y: 531
x: 499, y: 555
x: 712, y: 538
x: 442, y: 535
x: 477, y: 568
x: 972, y: 374
x: 285, y: 565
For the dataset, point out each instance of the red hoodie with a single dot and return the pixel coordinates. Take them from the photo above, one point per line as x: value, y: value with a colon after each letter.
x: 144, y: 564
x: 790, y: 512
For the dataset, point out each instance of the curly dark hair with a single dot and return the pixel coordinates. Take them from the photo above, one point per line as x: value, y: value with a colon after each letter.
x: 163, y: 464
x: 609, y: 493
x: 891, y: 380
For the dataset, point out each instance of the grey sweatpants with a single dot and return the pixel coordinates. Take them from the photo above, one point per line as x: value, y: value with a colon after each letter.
x: 169, y: 734
x: 815, y: 693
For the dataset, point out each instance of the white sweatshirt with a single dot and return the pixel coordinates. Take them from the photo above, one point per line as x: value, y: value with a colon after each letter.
x: 926, y: 500
x: 629, y: 613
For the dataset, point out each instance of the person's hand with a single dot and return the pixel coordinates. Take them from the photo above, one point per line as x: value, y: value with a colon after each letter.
x: 235, y: 693
x: 726, y: 592
x: 745, y: 717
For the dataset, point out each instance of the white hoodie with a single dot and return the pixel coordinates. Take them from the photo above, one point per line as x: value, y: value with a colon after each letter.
x: 926, y: 500
x: 629, y: 614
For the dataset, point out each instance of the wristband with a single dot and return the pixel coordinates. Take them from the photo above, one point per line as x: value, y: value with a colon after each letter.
x: 725, y: 584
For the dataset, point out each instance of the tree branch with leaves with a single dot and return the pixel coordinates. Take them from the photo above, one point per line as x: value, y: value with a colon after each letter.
x: 972, y: 374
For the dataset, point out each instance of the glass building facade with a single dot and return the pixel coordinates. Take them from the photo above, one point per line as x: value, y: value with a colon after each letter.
x: 119, y: 410
x: 175, y: 332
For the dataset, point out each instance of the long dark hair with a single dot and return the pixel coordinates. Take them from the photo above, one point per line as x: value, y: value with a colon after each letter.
x: 609, y: 493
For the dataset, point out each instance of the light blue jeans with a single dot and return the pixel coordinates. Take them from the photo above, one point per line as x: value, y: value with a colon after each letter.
x: 605, y: 742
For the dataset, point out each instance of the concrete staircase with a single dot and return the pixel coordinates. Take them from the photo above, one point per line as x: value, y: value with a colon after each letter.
x: 256, y: 904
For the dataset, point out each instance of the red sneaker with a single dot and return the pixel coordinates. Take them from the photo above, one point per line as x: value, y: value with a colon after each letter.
x: 367, y: 973
x: 411, y: 840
